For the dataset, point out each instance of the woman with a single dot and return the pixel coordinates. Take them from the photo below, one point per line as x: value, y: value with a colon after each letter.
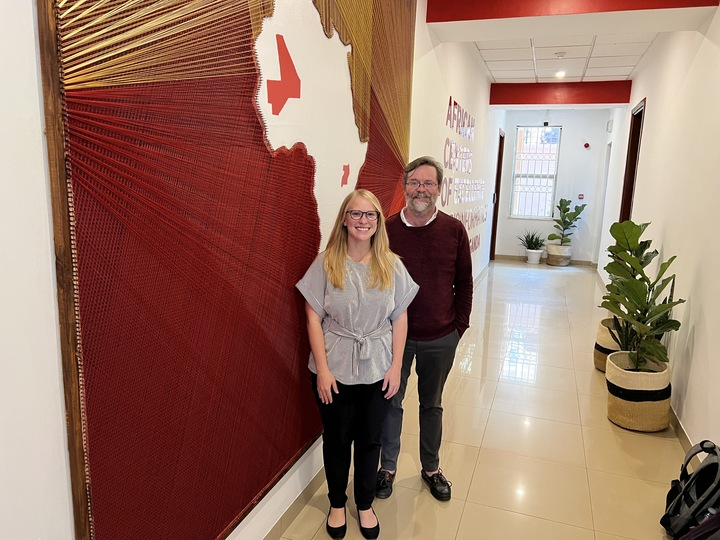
x: 356, y: 297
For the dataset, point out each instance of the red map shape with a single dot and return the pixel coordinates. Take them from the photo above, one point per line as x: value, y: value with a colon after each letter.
x: 289, y: 84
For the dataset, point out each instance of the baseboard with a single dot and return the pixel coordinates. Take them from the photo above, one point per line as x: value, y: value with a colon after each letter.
x: 574, y: 262
x: 482, y: 273
x: 683, y: 438
x: 296, y: 507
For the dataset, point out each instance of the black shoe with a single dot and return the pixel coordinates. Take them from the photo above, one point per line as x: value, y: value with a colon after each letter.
x: 370, y: 533
x: 337, y: 533
x: 383, y: 484
x: 438, y: 484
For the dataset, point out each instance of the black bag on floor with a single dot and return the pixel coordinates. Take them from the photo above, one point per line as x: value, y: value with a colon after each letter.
x: 695, y: 496
x: 707, y: 530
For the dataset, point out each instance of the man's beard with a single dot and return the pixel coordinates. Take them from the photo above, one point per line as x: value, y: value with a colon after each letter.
x: 420, y: 204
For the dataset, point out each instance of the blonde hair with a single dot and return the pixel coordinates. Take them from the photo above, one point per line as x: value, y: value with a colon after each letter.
x: 382, y: 260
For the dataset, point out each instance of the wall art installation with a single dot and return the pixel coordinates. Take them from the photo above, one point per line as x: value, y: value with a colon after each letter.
x: 191, y: 218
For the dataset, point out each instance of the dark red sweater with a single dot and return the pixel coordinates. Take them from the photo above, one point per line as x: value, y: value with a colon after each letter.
x: 438, y: 259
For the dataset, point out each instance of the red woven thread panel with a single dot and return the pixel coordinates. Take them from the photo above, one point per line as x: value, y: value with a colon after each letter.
x: 189, y: 237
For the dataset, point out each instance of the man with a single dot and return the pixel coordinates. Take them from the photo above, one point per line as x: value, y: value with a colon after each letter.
x: 435, y: 249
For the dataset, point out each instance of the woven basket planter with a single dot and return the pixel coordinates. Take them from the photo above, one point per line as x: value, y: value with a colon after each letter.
x: 558, y: 255
x: 604, y: 344
x: 637, y: 400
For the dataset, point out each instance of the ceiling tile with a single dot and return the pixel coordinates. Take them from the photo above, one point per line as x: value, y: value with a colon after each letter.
x: 624, y: 38
x: 565, y: 64
x: 544, y: 73
x: 512, y: 81
x: 623, y: 71
x: 506, y: 54
x: 556, y: 80
x: 504, y: 44
x: 569, y: 52
x: 510, y: 65
x: 564, y: 41
x: 604, y: 78
x: 620, y: 49
x: 612, y: 61
x: 516, y: 74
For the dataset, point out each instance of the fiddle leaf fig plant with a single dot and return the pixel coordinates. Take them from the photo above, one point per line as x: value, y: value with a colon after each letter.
x: 566, y: 221
x: 639, y: 303
x: 627, y: 240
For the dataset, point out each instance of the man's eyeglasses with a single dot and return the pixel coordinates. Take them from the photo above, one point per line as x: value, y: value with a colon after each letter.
x: 414, y: 184
x: 372, y: 215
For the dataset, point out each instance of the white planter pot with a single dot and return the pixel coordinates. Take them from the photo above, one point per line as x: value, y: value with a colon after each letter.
x: 534, y: 255
x: 558, y: 255
x: 637, y: 400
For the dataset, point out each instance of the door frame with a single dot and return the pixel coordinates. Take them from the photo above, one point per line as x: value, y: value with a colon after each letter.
x: 633, y: 157
x: 496, y: 192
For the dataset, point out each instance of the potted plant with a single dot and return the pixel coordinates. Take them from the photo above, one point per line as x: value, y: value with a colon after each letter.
x: 560, y: 254
x: 637, y: 376
x: 605, y: 342
x: 533, y: 243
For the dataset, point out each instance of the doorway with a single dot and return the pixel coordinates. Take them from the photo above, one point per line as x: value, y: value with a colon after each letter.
x: 496, y: 193
x: 633, y: 155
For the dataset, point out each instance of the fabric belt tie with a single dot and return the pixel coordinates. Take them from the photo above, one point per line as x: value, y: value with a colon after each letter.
x: 361, y: 342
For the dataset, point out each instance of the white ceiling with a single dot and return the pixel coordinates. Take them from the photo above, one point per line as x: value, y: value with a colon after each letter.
x: 582, y: 58
x: 597, y: 46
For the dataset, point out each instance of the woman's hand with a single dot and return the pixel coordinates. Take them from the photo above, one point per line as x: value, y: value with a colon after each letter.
x: 326, y: 384
x: 391, y: 383
x: 325, y: 380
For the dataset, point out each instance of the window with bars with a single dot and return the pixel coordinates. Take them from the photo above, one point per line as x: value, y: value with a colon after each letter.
x: 536, y: 158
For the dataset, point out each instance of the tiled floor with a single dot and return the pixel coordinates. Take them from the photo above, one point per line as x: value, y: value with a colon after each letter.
x: 527, y: 443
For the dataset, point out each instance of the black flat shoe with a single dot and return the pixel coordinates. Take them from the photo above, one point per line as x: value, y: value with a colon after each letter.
x: 370, y: 533
x: 337, y: 533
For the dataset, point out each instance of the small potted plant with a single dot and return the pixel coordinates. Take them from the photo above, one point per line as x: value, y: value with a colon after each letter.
x: 533, y: 243
x: 637, y: 376
x: 560, y: 254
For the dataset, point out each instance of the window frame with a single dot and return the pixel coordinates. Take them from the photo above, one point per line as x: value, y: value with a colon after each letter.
x: 517, y: 172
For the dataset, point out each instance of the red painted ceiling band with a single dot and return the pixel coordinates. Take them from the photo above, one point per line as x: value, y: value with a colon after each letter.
x: 581, y: 93
x: 461, y: 10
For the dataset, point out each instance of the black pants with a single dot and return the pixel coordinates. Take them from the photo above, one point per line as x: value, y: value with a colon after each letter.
x: 356, y: 414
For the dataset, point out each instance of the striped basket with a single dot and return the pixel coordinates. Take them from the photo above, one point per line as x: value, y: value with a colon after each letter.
x: 604, y: 344
x: 637, y: 400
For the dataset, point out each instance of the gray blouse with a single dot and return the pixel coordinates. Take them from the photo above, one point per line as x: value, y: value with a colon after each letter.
x: 356, y: 321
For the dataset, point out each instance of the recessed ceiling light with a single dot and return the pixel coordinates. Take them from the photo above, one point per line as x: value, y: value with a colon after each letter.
x: 560, y: 75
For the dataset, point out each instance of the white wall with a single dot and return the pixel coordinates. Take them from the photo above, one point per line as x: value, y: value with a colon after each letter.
x: 442, y: 71
x: 677, y: 190
x: 616, y: 173
x: 35, y: 497
x: 580, y: 171
x: 322, y: 65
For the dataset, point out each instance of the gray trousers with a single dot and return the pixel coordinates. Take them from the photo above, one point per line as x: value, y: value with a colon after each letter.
x: 434, y: 359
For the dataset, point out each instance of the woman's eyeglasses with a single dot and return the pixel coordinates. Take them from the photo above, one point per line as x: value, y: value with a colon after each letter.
x: 372, y: 215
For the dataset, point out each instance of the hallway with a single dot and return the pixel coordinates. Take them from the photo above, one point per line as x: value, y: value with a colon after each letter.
x: 526, y: 440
